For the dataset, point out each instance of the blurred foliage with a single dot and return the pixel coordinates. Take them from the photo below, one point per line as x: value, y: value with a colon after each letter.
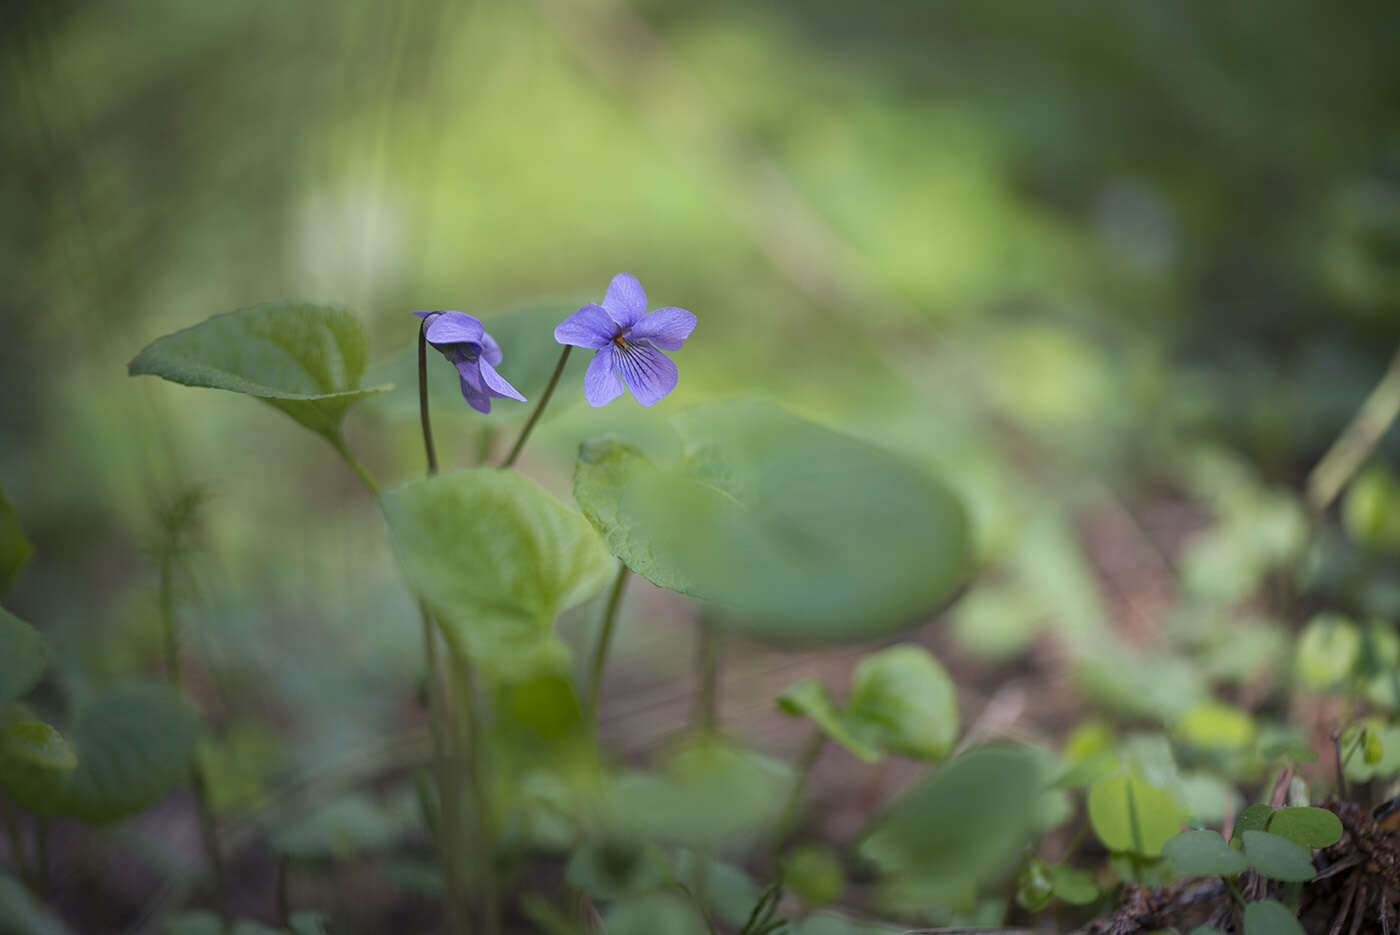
x: 1081, y: 260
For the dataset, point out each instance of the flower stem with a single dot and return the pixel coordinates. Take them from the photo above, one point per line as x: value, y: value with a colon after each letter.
x: 539, y: 408
x: 600, y: 650
x: 449, y: 825
x: 475, y: 740
x: 423, y: 398
x: 208, y: 825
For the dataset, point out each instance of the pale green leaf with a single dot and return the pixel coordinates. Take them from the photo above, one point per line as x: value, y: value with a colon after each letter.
x: 496, y: 559
x: 809, y: 698
x: 1129, y: 815
x: 904, y: 700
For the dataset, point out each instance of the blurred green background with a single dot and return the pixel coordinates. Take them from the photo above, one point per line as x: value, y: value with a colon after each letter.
x: 1048, y: 249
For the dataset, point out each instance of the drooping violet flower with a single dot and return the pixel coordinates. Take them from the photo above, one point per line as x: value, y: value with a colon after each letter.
x: 475, y: 354
x: 626, y: 338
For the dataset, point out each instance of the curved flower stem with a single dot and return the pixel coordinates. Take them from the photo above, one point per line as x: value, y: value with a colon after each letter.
x: 423, y: 398
x: 539, y: 407
x: 600, y: 650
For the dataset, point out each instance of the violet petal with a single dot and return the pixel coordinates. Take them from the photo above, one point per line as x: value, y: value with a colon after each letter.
x: 600, y: 383
x: 650, y: 374
x: 590, y: 326
x: 667, y: 328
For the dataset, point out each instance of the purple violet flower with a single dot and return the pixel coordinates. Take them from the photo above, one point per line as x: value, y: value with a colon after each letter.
x: 475, y: 354
x: 626, y: 338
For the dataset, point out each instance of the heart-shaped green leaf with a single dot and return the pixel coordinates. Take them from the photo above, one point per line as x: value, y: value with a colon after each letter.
x: 1277, y: 857
x: 134, y: 744
x: 15, y: 548
x: 496, y: 558
x: 809, y: 698
x: 1307, y: 826
x: 963, y: 826
x: 805, y: 534
x: 303, y: 358
x: 1129, y: 815
x: 904, y: 700
x: 1203, y: 853
x: 22, y: 659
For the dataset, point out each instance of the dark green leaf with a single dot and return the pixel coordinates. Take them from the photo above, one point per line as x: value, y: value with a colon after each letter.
x: 1277, y: 857
x: 1129, y: 815
x: 612, y: 867
x: 134, y: 744
x: 305, y: 359
x: 672, y: 912
x: 809, y: 698
x: 1270, y: 917
x: 1254, y: 818
x: 496, y: 558
x: 960, y: 827
x: 15, y: 548
x: 710, y: 794
x: 343, y: 828
x: 904, y: 700
x: 1307, y: 827
x: 22, y: 658
x: 1203, y: 853
x: 807, y: 535
x: 23, y: 914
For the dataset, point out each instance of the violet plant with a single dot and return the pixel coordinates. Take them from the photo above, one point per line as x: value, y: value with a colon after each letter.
x: 782, y: 529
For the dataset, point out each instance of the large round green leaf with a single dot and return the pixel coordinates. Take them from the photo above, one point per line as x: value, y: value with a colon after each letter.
x: 21, y: 656
x: 495, y: 558
x: 133, y: 743
x: 963, y: 826
x: 805, y: 534
x: 1277, y: 857
x: 303, y: 358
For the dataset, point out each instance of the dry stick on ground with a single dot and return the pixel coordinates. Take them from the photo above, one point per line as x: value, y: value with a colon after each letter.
x: 1357, y: 442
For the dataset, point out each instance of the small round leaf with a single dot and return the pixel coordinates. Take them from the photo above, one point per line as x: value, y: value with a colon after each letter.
x: 1203, y: 853
x: 904, y: 700
x: 1307, y: 827
x: 1277, y: 857
x: 1129, y: 815
x: 1270, y: 917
